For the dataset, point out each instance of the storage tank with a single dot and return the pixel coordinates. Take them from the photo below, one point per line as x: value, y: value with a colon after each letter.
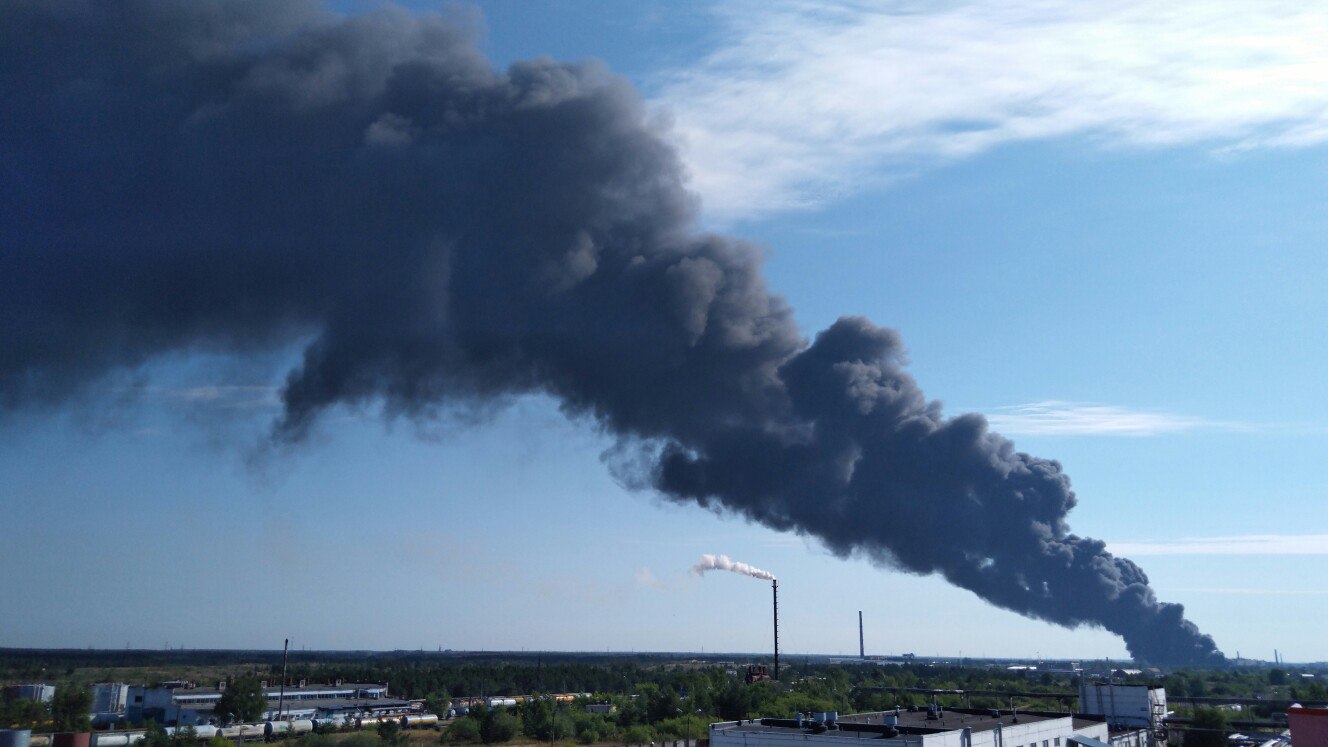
x: 418, y: 720
x: 240, y: 731
x: 15, y: 737
x: 206, y: 731
x: 365, y: 723
x: 294, y: 726
x: 501, y: 702
x: 71, y: 739
x: 40, y: 740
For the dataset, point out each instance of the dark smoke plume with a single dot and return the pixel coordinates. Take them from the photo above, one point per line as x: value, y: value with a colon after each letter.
x: 237, y: 176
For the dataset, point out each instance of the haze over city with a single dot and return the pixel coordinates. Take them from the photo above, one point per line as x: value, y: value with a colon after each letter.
x: 472, y: 326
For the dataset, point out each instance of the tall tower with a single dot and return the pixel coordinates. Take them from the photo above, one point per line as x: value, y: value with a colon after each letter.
x: 774, y: 587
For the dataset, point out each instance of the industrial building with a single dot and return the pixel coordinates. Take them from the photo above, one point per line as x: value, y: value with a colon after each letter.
x: 185, y: 704
x: 933, y: 727
x: 1309, y: 726
x: 1124, y: 706
x: 109, y: 701
x: 36, y: 693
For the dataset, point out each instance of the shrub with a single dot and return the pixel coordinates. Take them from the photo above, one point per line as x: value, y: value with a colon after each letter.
x: 638, y: 735
x: 498, y: 726
x: 464, y: 729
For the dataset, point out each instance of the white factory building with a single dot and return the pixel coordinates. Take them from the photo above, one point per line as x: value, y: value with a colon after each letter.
x: 185, y: 704
x: 1124, y: 706
x: 937, y: 727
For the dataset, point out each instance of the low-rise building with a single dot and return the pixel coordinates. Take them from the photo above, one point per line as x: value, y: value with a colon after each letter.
x: 1309, y: 726
x: 184, y: 704
x: 936, y: 727
x: 35, y: 693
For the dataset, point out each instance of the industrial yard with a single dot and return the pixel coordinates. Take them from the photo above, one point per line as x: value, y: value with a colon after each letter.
x: 364, y: 699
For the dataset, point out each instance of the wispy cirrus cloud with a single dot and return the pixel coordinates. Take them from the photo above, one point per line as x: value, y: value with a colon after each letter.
x: 1246, y: 544
x: 802, y: 101
x: 1060, y: 418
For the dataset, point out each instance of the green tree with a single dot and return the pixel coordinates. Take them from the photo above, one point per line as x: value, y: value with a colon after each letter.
x: 464, y: 730
x: 219, y: 741
x: 1208, y: 728
x: 69, y: 708
x: 638, y: 735
x: 734, y: 702
x: 21, y: 713
x: 154, y: 736
x: 664, y: 704
x: 389, y: 730
x: 437, y: 703
x: 1277, y: 677
x: 243, y: 701
x: 498, y: 726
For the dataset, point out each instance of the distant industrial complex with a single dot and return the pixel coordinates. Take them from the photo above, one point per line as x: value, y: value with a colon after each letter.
x: 1115, y: 707
x: 1110, y: 715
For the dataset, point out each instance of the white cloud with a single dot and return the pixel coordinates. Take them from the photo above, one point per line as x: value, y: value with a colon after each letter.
x: 1057, y: 418
x: 1248, y: 544
x: 802, y: 101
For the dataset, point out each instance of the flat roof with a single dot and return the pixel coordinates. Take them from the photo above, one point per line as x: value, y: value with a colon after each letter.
x: 318, y: 688
x: 907, y: 722
x: 324, y: 704
x: 976, y: 719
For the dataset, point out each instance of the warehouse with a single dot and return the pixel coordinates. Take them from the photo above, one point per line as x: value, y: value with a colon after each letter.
x: 184, y: 704
x: 934, y: 727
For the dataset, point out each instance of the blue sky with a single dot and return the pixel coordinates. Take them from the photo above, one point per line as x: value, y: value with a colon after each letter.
x: 1100, y: 227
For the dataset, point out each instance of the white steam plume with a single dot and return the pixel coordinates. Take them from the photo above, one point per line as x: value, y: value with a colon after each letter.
x: 711, y: 562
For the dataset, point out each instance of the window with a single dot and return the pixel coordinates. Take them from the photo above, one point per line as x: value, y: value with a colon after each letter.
x: 1058, y: 742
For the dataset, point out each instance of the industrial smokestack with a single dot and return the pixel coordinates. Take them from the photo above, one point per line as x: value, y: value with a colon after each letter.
x: 862, y: 648
x: 248, y: 177
x: 774, y: 589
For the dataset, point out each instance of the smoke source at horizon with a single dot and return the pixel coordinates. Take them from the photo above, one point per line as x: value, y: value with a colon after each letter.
x: 241, y: 176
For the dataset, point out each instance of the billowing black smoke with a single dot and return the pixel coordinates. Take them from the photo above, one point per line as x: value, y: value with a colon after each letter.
x: 235, y: 176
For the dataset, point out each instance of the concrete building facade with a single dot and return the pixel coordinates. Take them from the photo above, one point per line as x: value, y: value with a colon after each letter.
x: 1124, y: 706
